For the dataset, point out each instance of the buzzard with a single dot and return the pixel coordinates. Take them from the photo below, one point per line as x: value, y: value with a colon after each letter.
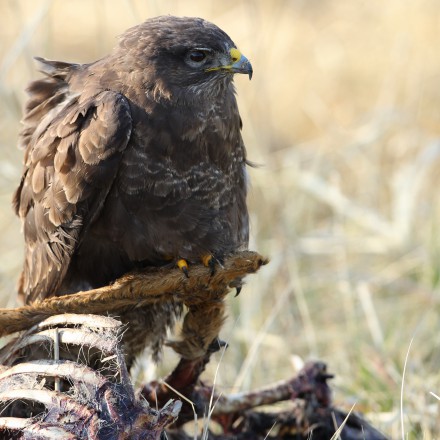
x: 133, y: 160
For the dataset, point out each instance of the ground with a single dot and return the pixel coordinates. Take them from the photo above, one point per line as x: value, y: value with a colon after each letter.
x: 343, y: 114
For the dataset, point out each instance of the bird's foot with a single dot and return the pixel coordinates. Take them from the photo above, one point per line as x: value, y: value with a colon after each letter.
x: 208, y: 260
x: 183, y: 266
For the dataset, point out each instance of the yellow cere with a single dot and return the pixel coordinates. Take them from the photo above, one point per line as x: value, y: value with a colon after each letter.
x: 235, y: 54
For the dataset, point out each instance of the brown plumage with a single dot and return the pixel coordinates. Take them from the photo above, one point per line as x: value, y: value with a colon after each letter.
x: 133, y: 160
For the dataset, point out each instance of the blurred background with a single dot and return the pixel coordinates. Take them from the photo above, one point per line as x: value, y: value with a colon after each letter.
x: 343, y: 117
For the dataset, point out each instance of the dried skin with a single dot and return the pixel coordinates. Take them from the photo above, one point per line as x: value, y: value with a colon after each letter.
x: 93, y: 405
x: 202, y: 293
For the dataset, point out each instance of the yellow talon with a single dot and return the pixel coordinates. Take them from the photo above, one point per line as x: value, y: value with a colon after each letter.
x: 183, y: 266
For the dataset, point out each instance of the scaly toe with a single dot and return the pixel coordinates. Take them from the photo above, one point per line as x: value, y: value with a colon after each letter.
x: 183, y: 266
x: 208, y: 260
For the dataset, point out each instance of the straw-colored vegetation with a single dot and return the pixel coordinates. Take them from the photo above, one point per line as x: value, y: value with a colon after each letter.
x: 343, y: 114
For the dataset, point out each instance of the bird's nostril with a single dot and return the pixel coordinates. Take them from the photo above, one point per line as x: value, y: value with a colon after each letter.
x: 235, y: 54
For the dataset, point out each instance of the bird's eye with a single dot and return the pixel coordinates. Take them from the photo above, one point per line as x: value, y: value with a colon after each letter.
x: 197, y: 56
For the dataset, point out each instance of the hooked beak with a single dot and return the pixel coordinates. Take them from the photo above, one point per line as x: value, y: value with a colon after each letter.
x: 239, y: 64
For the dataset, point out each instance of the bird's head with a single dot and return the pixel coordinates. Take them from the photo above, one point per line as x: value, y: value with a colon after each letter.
x: 183, y: 57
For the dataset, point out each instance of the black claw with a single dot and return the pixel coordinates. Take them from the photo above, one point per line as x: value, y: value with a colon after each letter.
x: 211, y: 265
x: 237, y: 291
x: 216, y: 345
x: 185, y: 271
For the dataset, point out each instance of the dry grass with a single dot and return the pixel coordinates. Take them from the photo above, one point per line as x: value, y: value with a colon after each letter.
x: 344, y: 114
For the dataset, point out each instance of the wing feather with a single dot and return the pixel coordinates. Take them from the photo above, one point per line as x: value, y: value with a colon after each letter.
x: 73, y: 150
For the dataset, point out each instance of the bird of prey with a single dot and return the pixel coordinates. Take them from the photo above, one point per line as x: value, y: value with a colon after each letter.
x: 133, y: 160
